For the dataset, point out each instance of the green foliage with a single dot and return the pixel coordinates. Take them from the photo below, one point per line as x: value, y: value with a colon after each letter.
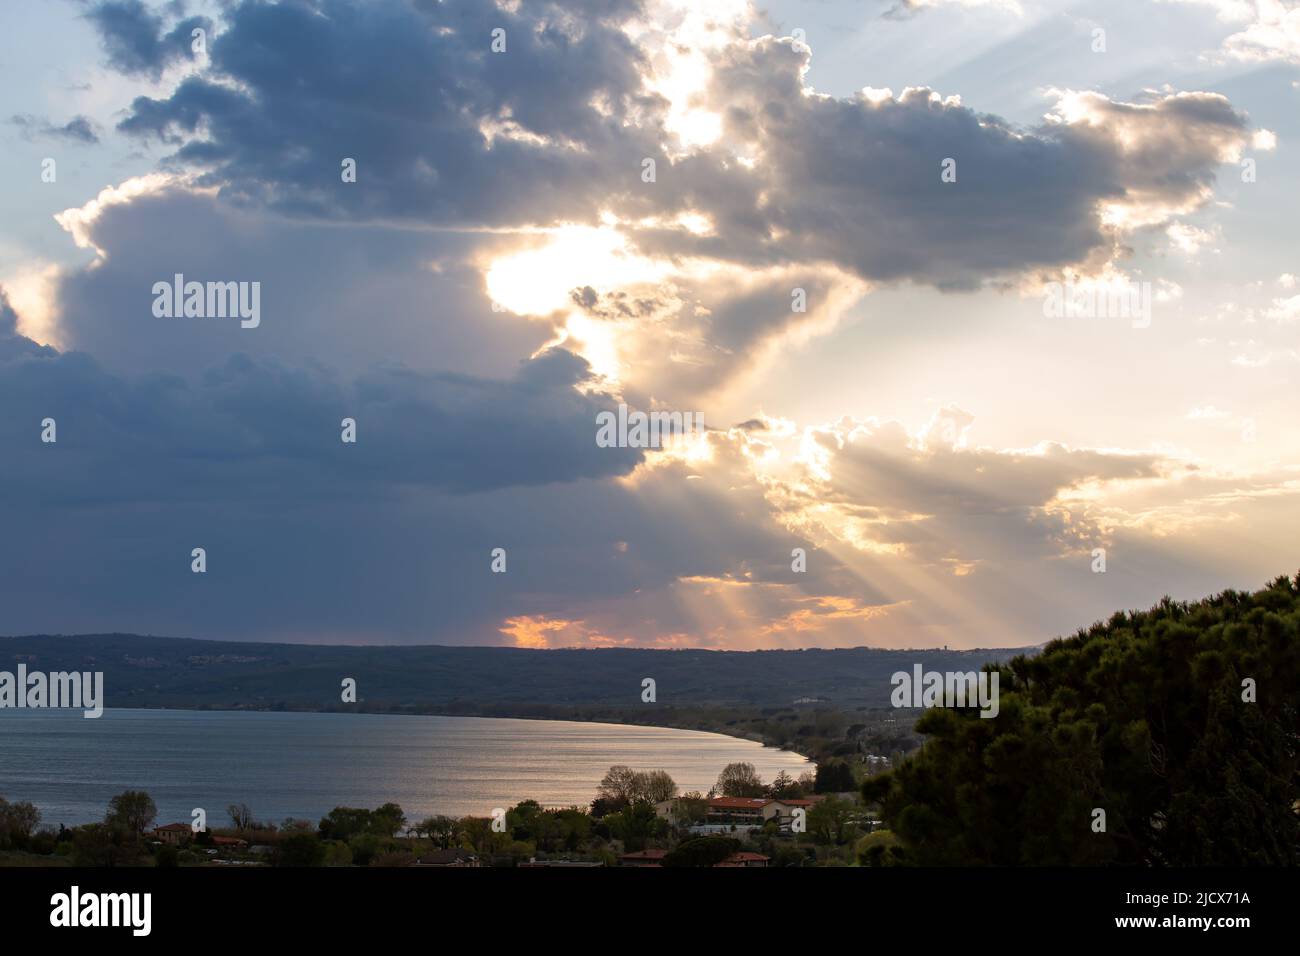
x: 478, y: 835
x: 784, y: 787
x: 834, y: 776
x: 1143, y: 717
x: 702, y: 851
x: 444, y: 831
x: 42, y: 842
x: 550, y: 831
x: 635, y: 825
x: 132, y: 812
x: 337, y: 854
x: 387, y: 820
x: 300, y: 849
x: 167, y: 856
x: 102, y: 845
x: 17, y: 821
x: 830, y: 821
x: 881, y: 848
x: 365, y: 847
x: 786, y: 855
x: 344, y: 823
x: 691, y: 808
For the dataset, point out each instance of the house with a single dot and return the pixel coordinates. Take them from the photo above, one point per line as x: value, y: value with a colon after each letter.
x: 534, y: 862
x: 744, y: 859
x: 231, y: 843
x: 664, y: 808
x: 740, y: 831
x: 643, y: 858
x: 452, y: 857
x: 173, y: 834
x: 736, y: 810
x: 783, y: 810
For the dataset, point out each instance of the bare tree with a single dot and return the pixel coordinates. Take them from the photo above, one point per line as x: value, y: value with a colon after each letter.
x: 618, y: 786
x: 739, y: 780
x: 240, y: 815
x: 133, y: 811
x: 656, y: 786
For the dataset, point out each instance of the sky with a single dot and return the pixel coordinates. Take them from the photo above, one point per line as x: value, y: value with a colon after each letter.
x: 833, y: 228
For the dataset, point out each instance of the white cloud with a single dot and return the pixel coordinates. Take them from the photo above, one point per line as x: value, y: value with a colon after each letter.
x: 1270, y: 28
x: 1189, y: 240
x: 1284, y: 311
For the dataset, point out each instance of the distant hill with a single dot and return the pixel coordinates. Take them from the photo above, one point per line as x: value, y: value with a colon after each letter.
x: 177, y: 672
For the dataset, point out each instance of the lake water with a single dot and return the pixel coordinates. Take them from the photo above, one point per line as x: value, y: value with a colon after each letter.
x: 303, y: 765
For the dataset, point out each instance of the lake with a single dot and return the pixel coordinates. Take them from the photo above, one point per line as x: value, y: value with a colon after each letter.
x: 304, y: 764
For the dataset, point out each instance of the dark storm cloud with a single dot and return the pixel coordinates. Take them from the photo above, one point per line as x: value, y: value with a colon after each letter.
x: 137, y: 40
x: 446, y: 132
x: 168, y: 441
x: 414, y: 95
x: 858, y: 183
x: 309, y: 538
x: 347, y: 297
x: 79, y: 129
x: 268, y: 431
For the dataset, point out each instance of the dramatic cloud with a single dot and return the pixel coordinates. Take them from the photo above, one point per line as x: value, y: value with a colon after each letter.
x: 931, y: 499
x: 507, y: 264
x: 136, y: 40
x: 464, y: 135
x: 280, y: 428
x: 468, y: 138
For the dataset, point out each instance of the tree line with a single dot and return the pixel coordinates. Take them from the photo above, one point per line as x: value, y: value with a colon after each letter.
x: 1165, y: 737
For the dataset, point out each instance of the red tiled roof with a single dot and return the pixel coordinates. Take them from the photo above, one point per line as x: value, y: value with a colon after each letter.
x: 645, y: 855
x: 740, y: 859
x: 737, y: 803
x: 173, y: 826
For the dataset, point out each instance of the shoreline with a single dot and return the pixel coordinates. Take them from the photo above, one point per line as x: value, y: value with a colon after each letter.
x: 612, y: 719
x: 609, y: 743
x: 605, y: 721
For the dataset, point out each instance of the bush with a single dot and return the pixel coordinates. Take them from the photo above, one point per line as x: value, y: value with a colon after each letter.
x: 365, y: 848
x: 702, y: 851
x: 338, y: 854
x: 881, y: 848
x: 43, y: 842
x: 167, y: 856
x: 300, y: 849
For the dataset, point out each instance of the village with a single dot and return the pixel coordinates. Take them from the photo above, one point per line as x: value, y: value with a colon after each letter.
x: 637, y: 819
